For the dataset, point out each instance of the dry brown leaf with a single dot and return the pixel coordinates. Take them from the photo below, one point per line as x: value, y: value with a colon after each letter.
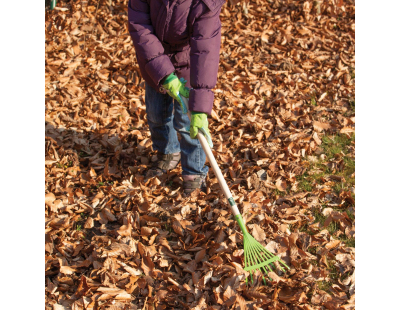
x: 83, y: 287
x: 229, y: 296
x: 177, y: 227
x: 316, y: 138
x: 332, y: 244
x: 146, y: 231
x: 258, y: 233
x: 275, y: 277
x: 89, y: 223
x: 57, y: 204
x: 327, y: 211
x: 125, y: 230
x: 147, y: 265
x: 347, y: 130
x: 281, y: 185
x: 241, y: 302
x: 133, y: 271
x: 67, y: 270
x: 200, y: 255
x: 49, y: 198
x: 321, y: 126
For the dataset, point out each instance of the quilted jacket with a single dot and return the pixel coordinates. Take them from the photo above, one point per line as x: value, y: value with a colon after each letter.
x: 182, y: 36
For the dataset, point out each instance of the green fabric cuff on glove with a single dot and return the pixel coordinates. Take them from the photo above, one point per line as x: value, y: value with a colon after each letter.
x: 199, y: 122
x: 175, y: 87
x: 170, y: 78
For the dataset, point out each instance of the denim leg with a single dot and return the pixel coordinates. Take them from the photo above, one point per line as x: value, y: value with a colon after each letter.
x: 159, y: 109
x: 193, y: 157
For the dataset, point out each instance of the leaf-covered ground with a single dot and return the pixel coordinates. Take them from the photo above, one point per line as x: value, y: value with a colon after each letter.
x: 283, y: 128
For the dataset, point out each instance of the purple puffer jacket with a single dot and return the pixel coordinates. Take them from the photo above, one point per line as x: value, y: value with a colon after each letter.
x: 182, y: 36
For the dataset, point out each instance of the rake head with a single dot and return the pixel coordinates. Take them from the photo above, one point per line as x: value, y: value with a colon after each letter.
x: 256, y: 257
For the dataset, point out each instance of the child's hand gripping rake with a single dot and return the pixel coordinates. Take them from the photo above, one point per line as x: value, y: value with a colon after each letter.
x: 255, y: 255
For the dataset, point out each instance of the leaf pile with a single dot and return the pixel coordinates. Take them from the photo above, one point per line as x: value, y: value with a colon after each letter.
x: 283, y: 128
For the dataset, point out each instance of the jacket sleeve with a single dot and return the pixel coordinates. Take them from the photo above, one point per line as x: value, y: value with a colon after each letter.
x: 205, y: 43
x: 148, y: 47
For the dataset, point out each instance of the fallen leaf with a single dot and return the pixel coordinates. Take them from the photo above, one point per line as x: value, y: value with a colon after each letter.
x: 258, y: 233
x: 67, y: 270
x: 321, y: 126
x: 200, y: 255
x: 49, y: 198
x: 125, y: 230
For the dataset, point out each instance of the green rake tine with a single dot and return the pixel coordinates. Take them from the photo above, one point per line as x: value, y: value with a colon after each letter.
x: 280, y: 262
x: 265, y: 272
x: 254, y: 259
x: 268, y: 266
x: 247, y: 257
x: 259, y: 246
x: 271, y: 256
x: 265, y: 252
x: 258, y: 259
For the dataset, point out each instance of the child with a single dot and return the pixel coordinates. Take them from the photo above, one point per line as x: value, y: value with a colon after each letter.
x: 177, y: 45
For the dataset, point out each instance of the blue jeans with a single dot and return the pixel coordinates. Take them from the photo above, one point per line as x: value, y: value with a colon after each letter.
x: 165, y: 118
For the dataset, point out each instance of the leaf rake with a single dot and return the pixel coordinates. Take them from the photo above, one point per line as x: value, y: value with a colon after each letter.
x: 256, y: 257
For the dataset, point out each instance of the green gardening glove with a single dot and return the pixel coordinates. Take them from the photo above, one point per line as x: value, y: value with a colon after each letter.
x: 199, y: 122
x: 176, y: 88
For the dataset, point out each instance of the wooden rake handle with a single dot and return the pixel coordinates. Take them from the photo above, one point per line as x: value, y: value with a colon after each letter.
x: 214, y: 165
